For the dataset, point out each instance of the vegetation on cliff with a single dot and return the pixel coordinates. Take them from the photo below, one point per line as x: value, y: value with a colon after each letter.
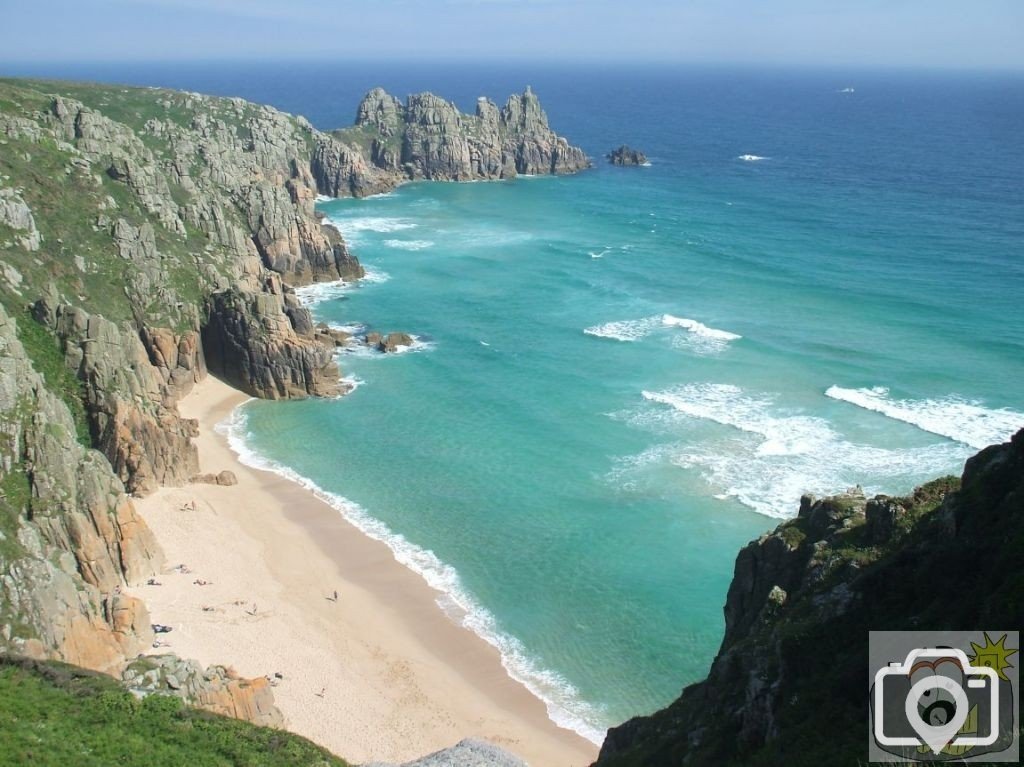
x: 55, y: 714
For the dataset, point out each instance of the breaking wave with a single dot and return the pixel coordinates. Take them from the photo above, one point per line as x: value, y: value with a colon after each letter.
x: 958, y: 419
x: 699, y: 337
x: 771, y: 455
x: 409, y: 244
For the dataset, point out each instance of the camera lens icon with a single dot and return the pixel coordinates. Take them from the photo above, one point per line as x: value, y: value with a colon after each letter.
x: 930, y: 684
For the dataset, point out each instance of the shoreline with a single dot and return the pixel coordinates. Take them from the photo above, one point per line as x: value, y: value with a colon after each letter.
x: 380, y: 674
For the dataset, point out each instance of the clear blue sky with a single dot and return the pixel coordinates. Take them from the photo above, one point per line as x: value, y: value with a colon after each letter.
x: 943, y: 33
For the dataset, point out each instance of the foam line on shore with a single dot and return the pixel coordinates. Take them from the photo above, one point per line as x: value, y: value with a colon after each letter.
x: 561, y: 699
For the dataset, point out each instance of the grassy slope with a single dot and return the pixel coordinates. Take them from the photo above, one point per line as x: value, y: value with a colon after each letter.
x: 52, y: 714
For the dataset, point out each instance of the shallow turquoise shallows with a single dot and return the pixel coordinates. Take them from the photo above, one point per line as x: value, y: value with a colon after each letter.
x: 622, y: 377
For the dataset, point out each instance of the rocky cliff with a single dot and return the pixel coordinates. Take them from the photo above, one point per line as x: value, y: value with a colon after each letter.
x: 788, y: 684
x: 429, y: 138
x: 146, y: 238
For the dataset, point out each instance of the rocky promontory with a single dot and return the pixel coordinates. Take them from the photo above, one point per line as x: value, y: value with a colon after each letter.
x: 626, y: 156
x: 429, y: 138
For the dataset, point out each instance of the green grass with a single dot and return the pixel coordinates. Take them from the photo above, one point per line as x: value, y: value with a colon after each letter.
x: 65, y: 207
x: 53, y: 714
x: 15, y: 495
x: 363, y: 136
x: 43, y: 349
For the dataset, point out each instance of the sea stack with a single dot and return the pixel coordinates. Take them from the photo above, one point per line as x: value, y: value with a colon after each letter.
x: 626, y: 156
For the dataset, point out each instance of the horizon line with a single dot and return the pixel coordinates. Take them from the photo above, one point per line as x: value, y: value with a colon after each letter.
x: 590, y: 61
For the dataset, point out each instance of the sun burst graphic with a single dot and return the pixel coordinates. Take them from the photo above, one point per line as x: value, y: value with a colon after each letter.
x: 993, y: 655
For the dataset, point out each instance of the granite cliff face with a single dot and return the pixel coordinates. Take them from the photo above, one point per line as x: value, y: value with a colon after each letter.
x: 146, y: 237
x: 788, y: 684
x: 70, y: 538
x: 428, y: 138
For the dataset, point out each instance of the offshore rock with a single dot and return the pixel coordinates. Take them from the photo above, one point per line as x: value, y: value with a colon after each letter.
x: 392, y: 342
x: 627, y: 156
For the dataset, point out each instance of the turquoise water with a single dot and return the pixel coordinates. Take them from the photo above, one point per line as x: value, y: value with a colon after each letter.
x: 622, y: 377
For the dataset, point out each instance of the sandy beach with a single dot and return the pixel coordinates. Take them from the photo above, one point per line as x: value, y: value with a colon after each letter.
x: 380, y: 674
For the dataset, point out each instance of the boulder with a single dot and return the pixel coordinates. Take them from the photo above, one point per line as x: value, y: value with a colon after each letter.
x: 393, y: 341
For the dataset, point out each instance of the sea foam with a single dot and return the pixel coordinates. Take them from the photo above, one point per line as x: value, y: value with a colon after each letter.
x: 752, y: 158
x: 363, y: 351
x: 317, y: 292
x: 562, y: 700
x: 699, y: 337
x: 353, y: 228
x: 409, y: 244
x: 958, y: 419
x: 772, y: 455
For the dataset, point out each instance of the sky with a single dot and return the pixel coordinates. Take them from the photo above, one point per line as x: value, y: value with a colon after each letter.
x: 970, y: 34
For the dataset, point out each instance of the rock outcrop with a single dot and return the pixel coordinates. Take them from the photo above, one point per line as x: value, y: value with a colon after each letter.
x: 429, y: 138
x: 788, y: 684
x: 626, y: 156
x: 251, y: 343
x: 132, y: 379
x: 216, y: 688
x: 16, y: 215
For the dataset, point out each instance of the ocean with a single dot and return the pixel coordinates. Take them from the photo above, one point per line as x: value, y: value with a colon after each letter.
x: 622, y: 377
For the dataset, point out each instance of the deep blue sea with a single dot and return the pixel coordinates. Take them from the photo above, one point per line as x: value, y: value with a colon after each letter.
x: 623, y: 376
